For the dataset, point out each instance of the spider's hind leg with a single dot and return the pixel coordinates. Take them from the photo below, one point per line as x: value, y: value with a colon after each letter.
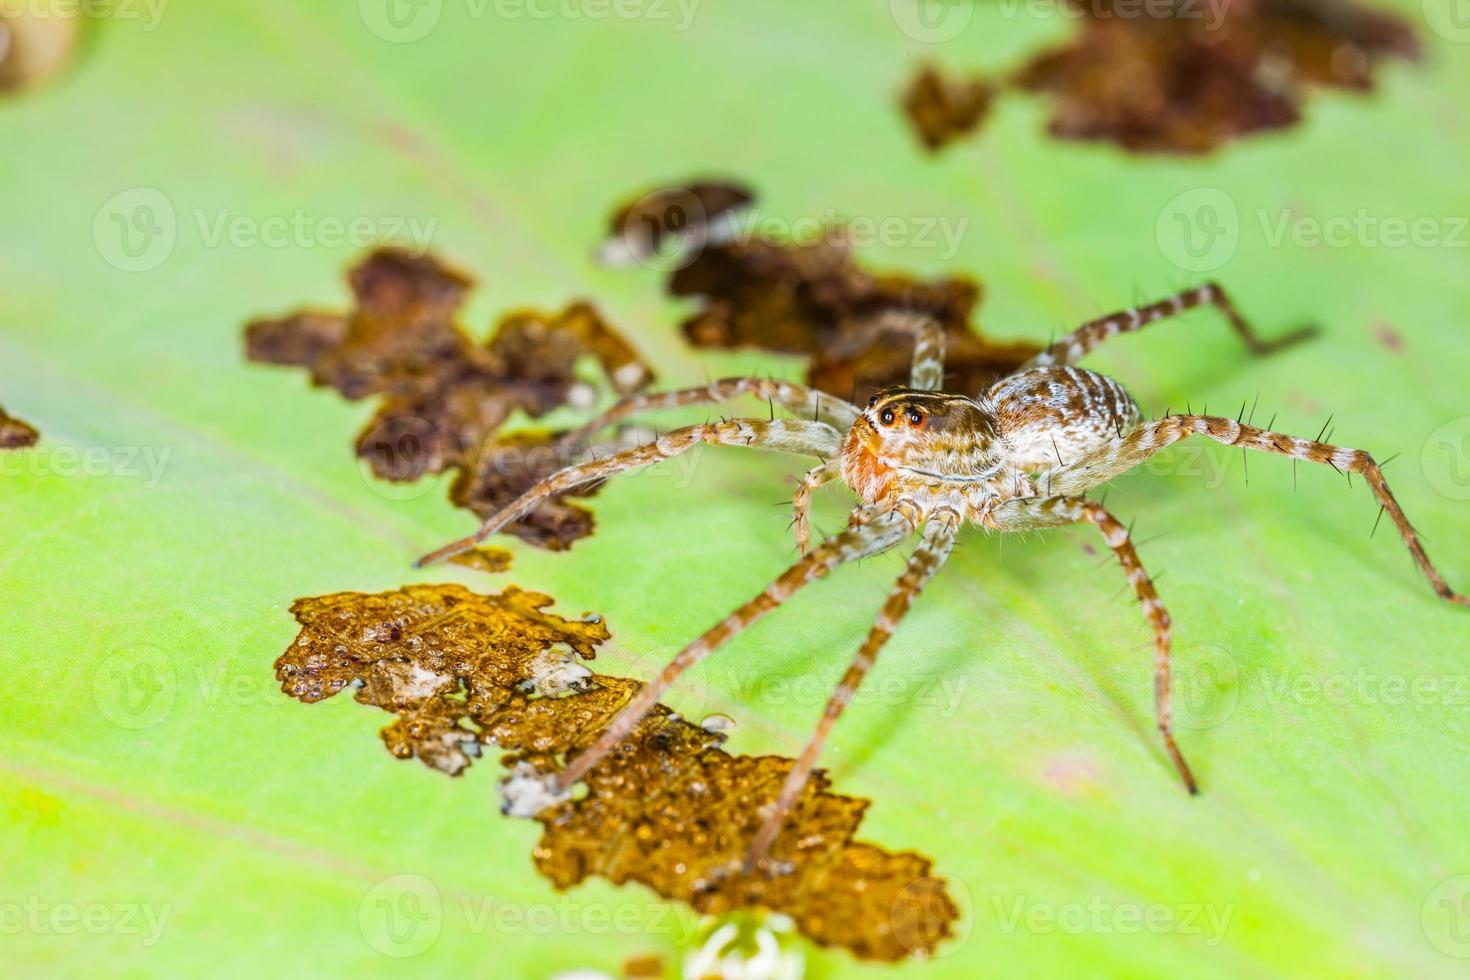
x: 1091, y: 335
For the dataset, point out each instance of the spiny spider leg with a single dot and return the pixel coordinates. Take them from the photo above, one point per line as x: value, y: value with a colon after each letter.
x: 785, y: 435
x: 1028, y: 513
x: 927, y: 374
x: 1132, y: 449
x: 934, y: 547
x: 799, y: 400
x: 801, y: 501
x: 1088, y: 337
x: 871, y: 538
x: 928, y: 370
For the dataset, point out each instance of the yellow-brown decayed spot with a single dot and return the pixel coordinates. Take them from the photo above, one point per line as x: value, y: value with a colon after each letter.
x: 670, y: 810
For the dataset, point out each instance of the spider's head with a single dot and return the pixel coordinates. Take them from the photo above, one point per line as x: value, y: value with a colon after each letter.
x: 908, y: 429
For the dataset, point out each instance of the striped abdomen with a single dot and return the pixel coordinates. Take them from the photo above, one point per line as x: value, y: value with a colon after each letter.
x: 1052, y: 416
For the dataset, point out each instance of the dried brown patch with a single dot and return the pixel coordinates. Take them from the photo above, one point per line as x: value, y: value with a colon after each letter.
x: 1188, y: 77
x: 37, y: 38
x: 1173, y: 84
x: 813, y: 299
x: 15, y: 434
x: 491, y: 560
x: 942, y: 108
x: 644, y: 967
x: 671, y: 810
x: 442, y: 395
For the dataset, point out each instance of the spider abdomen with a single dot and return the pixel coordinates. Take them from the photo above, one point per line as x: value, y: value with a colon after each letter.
x: 1051, y: 416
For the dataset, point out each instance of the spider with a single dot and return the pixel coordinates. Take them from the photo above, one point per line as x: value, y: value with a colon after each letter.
x: 1020, y: 456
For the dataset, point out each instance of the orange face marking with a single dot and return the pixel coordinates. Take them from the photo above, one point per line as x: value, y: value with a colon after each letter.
x: 862, y: 470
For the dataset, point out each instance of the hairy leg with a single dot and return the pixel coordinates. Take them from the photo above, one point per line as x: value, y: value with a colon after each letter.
x: 1088, y: 337
x: 939, y: 536
x: 928, y: 370
x: 801, y: 501
x: 871, y: 538
x: 785, y: 435
x: 1026, y: 513
x: 1135, y: 447
x: 799, y: 400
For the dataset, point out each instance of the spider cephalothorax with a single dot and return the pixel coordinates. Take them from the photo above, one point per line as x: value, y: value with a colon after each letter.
x: 1018, y: 457
x: 907, y: 440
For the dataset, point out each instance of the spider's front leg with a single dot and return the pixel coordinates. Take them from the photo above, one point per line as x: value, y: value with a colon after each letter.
x: 799, y: 400
x: 869, y: 538
x: 1091, y: 335
x: 1124, y: 452
x: 927, y: 373
x: 933, y: 549
x: 1027, y: 513
x: 801, y: 500
x: 786, y: 435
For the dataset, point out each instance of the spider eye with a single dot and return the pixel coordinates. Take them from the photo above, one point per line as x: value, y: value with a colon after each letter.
x: 887, y: 417
x: 916, y: 417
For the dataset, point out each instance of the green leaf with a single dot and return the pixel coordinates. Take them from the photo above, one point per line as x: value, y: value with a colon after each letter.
x: 168, y: 811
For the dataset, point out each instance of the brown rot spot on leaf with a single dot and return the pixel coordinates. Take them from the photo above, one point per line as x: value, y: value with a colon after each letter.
x: 1189, y: 84
x: 811, y: 298
x: 647, y: 966
x: 942, y: 108
x: 442, y: 396
x: 671, y: 810
x: 509, y: 466
x: 37, y: 38
x: 15, y: 434
x: 1389, y: 338
x: 1188, y: 77
x: 491, y: 560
